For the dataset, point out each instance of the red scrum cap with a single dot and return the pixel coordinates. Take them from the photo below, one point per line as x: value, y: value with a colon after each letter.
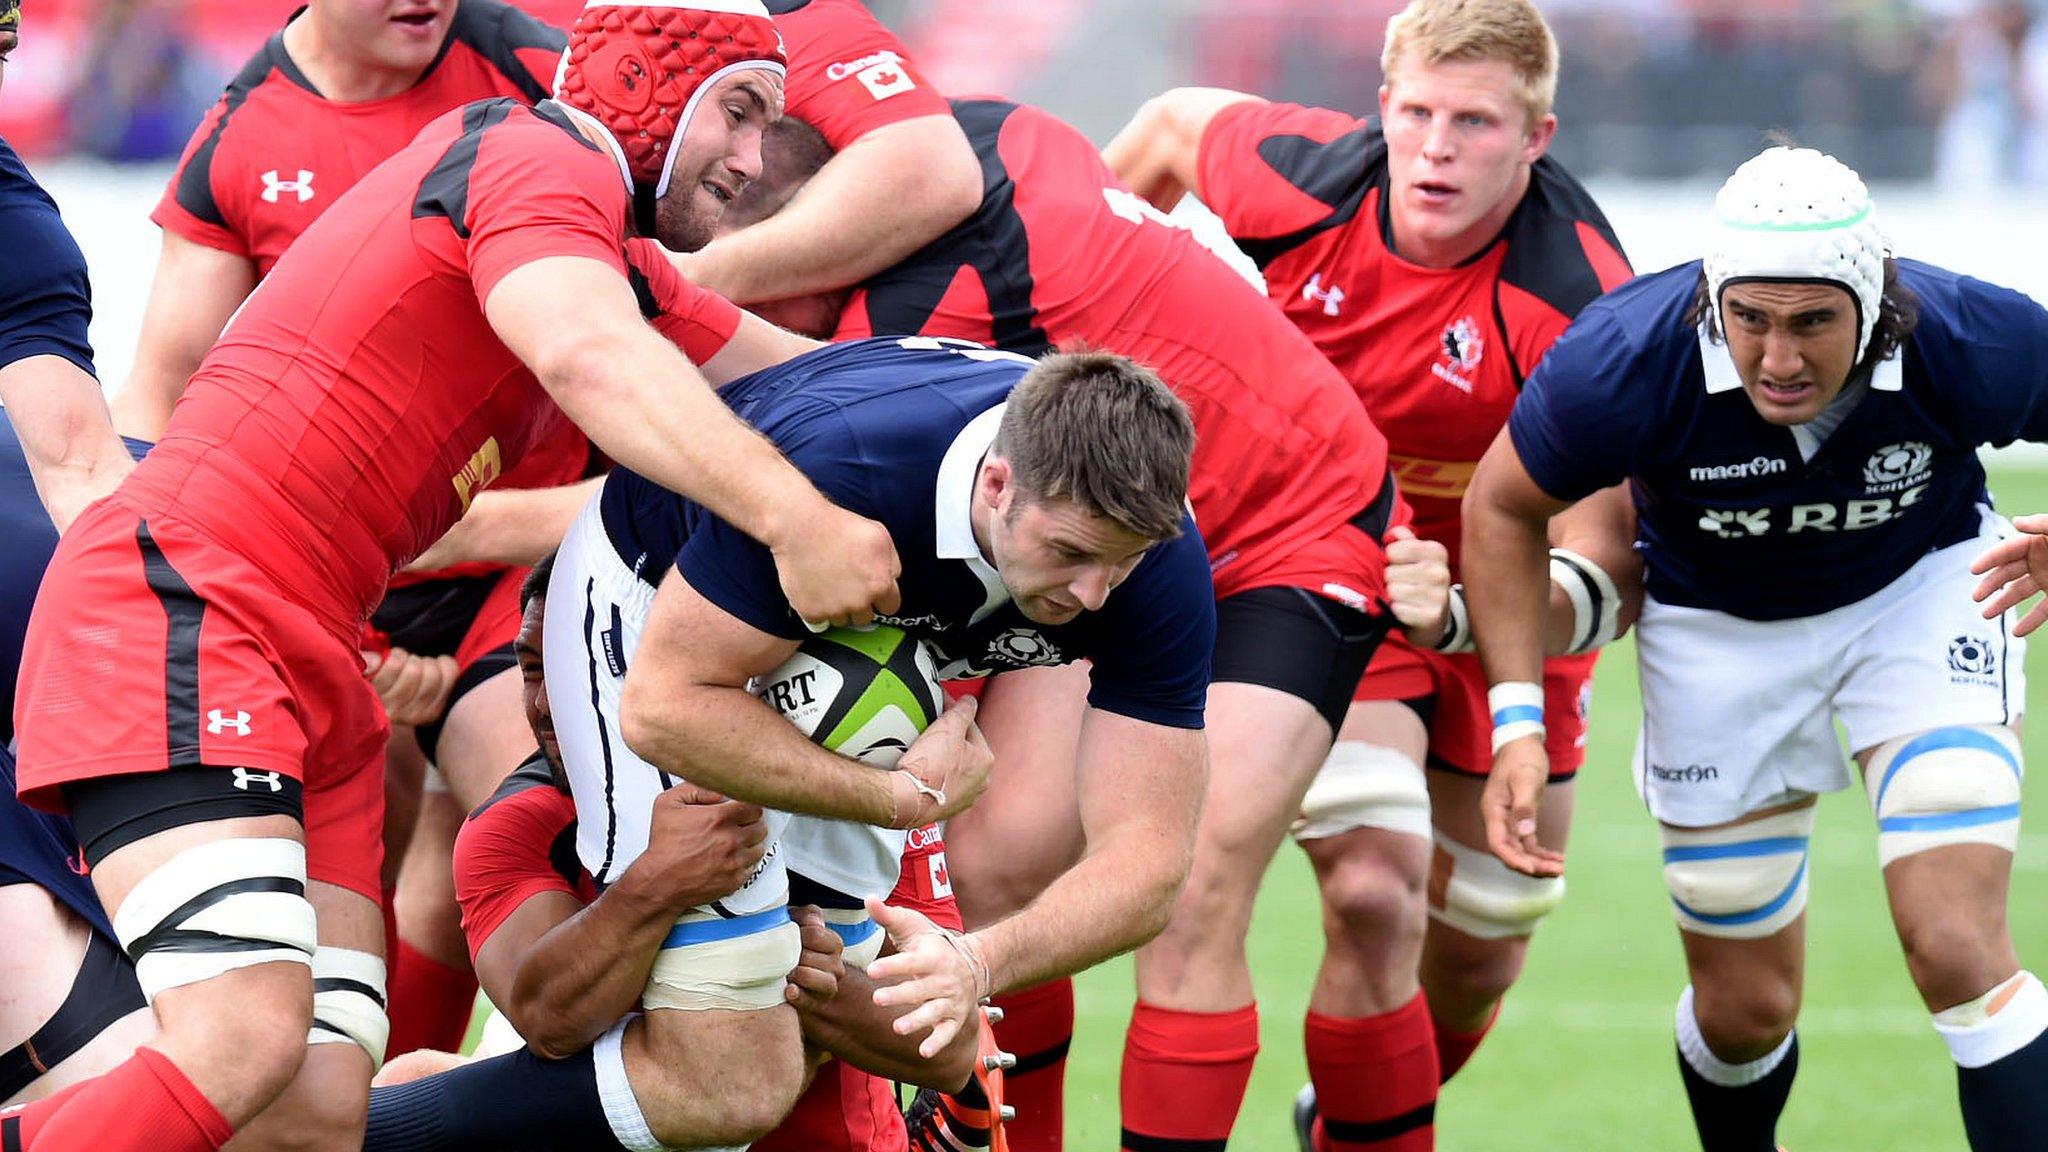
x: 639, y: 70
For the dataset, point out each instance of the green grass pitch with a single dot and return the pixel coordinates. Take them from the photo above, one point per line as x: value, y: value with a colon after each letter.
x: 1582, y: 1059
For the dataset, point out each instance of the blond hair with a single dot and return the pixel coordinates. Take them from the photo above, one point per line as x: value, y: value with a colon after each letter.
x: 1511, y: 31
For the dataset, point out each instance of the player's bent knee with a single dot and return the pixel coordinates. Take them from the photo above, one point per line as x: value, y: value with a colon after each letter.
x: 348, y: 1001
x: 1368, y: 894
x: 1946, y: 786
x: 1740, y: 882
x: 1364, y: 786
x: 1482, y: 897
x: 215, y: 908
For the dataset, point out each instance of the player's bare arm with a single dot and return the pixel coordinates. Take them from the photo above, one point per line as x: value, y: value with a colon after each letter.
x: 647, y: 407
x: 60, y: 415
x: 1506, y: 570
x: 883, y: 197
x: 563, y: 972
x: 687, y: 711
x: 1140, y: 790
x: 1159, y: 152
x: 755, y: 345
x: 195, y: 290
x: 1602, y: 530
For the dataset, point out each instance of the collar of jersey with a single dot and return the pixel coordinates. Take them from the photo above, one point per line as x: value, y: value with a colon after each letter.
x: 952, y: 505
x: 1719, y: 368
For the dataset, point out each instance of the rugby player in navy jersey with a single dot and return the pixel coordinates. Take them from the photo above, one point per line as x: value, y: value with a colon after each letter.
x: 1040, y: 509
x: 1799, y: 415
x: 47, y: 382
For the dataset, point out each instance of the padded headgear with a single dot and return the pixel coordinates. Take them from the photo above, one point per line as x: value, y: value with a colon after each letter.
x: 1799, y: 214
x: 639, y: 69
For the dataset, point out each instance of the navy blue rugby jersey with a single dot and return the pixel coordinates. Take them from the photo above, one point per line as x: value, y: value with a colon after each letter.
x: 45, y: 299
x: 895, y: 429
x: 30, y: 541
x: 1730, y: 517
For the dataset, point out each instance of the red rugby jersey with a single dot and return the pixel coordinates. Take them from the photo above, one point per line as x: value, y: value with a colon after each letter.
x: 273, y: 154
x: 360, y: 399
x: 1059, y: 252
x: 522, y: 842
x: 848, y: 74
x: 1437, y: 354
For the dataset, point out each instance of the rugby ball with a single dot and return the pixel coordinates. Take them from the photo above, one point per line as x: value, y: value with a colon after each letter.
x: 865, y: 693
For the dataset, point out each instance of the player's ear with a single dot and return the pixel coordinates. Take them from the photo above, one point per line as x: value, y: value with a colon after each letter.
x: 1537, y: 141
x: 993, y: 481
x: 1384, y: 93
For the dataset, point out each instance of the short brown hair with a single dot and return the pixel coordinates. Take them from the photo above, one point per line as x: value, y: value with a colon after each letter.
x: 1511, y: 31
x: 1104, y: 431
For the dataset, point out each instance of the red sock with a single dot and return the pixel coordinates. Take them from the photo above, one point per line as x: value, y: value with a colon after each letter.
x: 1037, y: 1028
x: 1375, y: 1079
x: 431, y: 1003
x: 142, y: 1105
x: 1184, y: 1076
x: 1454, y: 1048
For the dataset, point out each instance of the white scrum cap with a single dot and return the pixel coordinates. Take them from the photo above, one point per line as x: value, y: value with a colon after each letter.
x: 1799, y: 214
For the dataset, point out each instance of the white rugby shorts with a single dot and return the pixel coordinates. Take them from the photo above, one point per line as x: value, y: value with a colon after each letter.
x: 1740, y: 714
x: 733, y: 953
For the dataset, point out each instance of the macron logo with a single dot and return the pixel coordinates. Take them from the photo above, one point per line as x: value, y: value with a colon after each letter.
x: 274, y: 187
x: 219, y: 722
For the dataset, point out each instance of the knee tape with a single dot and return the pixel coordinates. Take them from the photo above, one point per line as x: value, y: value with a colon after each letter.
x: 1596, y: 602
x: 217, y: 907
x: 1946, y: 786
x: 700, y: 969
x: 621, y: 1108
x: 859, y: 933
x: 1364, y: 786
x: 1742, y: 882
x: 1485, y: 898
x: 348, y: 1001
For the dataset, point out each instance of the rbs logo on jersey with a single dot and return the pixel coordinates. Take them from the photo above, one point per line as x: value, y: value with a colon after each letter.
x: 1847, y: 516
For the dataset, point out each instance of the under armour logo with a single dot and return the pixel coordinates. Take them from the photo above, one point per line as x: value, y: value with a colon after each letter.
x: 244, y: 778
x: 218, y: 722
x: 1332, y: 298
x: 274, y: 188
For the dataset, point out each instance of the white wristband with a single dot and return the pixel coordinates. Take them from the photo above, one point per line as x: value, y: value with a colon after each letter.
x: 1517, y: 708
x: 1457, y: 635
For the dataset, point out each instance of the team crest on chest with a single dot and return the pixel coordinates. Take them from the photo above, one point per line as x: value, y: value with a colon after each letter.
x: 1896, y: 467
x: 1462, y: 346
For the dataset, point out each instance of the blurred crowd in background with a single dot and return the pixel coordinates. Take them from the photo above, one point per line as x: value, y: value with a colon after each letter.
x: 1953, y: 91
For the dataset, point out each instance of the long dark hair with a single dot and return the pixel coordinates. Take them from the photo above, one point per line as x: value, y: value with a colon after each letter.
x: 1898, y: 310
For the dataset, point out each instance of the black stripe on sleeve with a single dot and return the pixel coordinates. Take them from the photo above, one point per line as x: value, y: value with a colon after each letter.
x: 1336, y: 173
x: 993, y: 241
x: 497, y: 31
x: 1139, y: 1142
x: 445, y: 190
x: 195, y: 179
x: 185, y: 613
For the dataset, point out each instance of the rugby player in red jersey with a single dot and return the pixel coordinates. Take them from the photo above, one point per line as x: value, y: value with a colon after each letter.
x: 535, y: 921
x: 326, y: 440
x: 343, y: 85
x: 1058, y: 250
x: 1433, y: 258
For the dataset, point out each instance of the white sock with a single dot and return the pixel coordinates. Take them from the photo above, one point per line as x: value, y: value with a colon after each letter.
x: 1711, y: 1067
x: 1977, y: 1037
